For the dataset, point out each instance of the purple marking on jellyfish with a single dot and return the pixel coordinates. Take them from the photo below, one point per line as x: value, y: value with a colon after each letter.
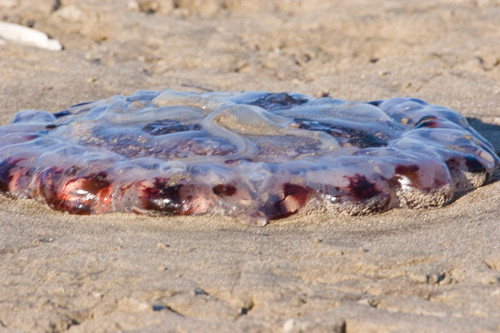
x: 361, y: 188
x: 256, y: 156
x: 224, y: 190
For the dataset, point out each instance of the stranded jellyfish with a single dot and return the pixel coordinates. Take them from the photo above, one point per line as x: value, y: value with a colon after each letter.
x: 256, y: 156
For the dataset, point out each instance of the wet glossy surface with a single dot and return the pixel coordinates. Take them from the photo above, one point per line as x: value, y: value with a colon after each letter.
x: 254, y: 155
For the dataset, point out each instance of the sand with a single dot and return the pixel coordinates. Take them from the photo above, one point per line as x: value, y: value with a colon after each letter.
x: 435, y: 270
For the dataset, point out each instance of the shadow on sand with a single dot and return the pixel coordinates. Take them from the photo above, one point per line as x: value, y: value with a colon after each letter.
x: 490, y: 132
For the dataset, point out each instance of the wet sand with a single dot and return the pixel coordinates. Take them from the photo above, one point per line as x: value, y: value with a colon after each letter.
x: 435, y: 270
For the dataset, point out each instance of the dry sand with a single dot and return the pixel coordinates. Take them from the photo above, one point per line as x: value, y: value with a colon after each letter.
x: 434, y: 270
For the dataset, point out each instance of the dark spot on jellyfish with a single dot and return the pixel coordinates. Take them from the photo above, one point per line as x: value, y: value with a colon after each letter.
x: 365, y: 140
x: 162, y: 197
x: 5, y: 172
x: 51, y: 126
x: 277, y: 101
x: 453, y: 164
x: 81, y: 104
x: 360, y: 188
x: 409, y: 171
x: 224, y: 190
x: 300, y: 193
x: 351, y: 136
x: 62, y: 113
x: 162, y: 127
x: 376, y: 103
x: 295, y: 197
x: 473, y: 164
x: 71, y: 171
x: 428, y: 121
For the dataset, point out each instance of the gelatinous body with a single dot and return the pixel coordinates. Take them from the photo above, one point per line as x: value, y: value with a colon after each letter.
x: 254, y: 155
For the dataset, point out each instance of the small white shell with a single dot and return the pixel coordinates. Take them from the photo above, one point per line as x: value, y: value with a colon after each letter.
x: 27, y: 36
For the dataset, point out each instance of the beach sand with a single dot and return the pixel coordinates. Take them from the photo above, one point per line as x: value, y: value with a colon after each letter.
x: 433, y: 270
